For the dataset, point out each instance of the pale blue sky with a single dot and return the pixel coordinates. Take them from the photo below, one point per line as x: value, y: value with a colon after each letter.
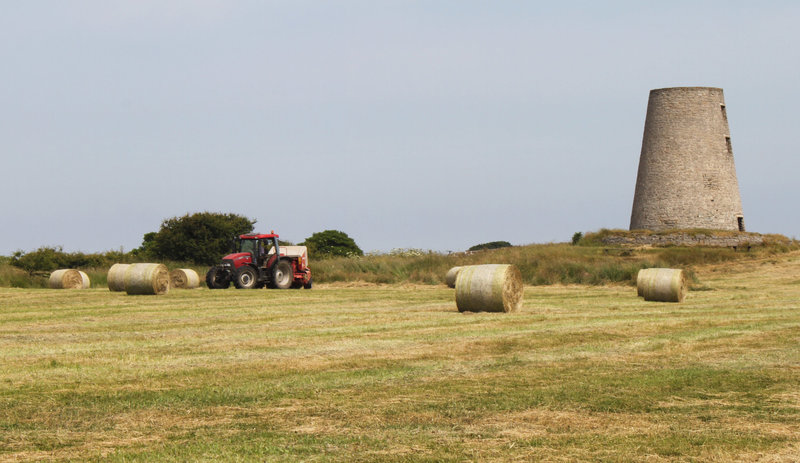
x: 428, y: 124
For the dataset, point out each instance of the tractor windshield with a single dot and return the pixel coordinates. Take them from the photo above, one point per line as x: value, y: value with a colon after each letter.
x: 256, y: 247
x: 248, y: 246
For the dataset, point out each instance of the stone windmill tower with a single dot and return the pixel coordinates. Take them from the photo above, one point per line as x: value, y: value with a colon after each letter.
x: 687, y: 178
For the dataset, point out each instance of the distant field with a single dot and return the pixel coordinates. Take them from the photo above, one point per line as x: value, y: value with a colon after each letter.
x: 395, y: 373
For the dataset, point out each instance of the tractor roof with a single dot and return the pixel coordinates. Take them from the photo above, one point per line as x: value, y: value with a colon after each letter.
x: 258, y: 236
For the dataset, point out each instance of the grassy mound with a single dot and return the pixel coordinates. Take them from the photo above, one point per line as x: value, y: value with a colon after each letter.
x: 543, y: 264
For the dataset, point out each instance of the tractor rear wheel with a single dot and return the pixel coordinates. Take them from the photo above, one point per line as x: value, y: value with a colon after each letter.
x: 216, y: 279
x: 246, y: 278
x: 282, y: 275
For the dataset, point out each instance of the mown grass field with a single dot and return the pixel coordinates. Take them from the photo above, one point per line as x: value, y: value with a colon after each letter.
x: 395, y: 373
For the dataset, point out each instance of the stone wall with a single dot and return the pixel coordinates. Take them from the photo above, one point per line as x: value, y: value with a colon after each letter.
x: 686, y: 239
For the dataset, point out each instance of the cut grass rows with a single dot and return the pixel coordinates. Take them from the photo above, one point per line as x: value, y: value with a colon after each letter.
x: 397, y: 374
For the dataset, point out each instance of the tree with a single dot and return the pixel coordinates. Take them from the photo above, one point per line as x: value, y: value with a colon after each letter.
x: 201, y: 238
x: 490, y: 245
x: 331, y: 243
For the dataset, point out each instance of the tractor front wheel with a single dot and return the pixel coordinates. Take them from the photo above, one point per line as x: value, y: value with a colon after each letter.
x: 282, y: 275
x: 246, y: 278
x: 216, y: 279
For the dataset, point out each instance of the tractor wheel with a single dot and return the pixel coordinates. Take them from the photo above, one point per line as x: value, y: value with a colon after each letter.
x: 282, y: 275
x: 309, y: 284
x: 217, y: 280
x: 246, y: 278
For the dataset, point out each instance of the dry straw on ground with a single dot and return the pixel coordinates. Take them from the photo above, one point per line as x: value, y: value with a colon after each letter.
x: 489, y: 288
x: 184, y: 278
x: 65, y: 279
x: 451, y: 276
x: 661, y: 284
x: 150, y: 279
x: 116, y: 277
x: 583, y: 373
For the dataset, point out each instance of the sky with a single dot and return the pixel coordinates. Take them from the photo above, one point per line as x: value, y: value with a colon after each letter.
x: 435, y: 124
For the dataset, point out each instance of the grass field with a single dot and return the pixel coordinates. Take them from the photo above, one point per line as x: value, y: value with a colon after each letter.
x: 395, y: 373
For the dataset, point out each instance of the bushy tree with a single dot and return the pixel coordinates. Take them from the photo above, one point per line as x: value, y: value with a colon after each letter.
x: 331, y: 243
x: 202, y: 238
x: 490, y: 245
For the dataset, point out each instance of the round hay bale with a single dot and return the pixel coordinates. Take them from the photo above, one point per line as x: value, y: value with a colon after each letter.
x: 489, y: 288
x: 450, y: 278
x: 662, y: 284
x: 116, y: 277
x: 146, y: 279
x: 640, y: 281
x: 65, y: 279
x: 184, y: 278
x: 86, y: 282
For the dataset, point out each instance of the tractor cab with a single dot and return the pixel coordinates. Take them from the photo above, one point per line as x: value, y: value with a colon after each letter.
x: 252, y: 249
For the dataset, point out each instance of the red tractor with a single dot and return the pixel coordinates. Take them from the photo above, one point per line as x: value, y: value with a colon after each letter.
x: 258, y: 261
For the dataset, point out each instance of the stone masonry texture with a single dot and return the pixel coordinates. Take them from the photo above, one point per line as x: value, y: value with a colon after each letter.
x: 687, y: 177
x: 687, y: 239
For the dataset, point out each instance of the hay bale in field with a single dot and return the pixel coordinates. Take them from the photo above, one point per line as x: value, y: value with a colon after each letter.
x: 116, y: 277
x: 450, y: 278
x: 86, y: 282
x: 146, y: 279
x: 640, y: 281
x: 184, y: 278
x: 65, y: 279
x: 489, y: 288
x: 661, y: 284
